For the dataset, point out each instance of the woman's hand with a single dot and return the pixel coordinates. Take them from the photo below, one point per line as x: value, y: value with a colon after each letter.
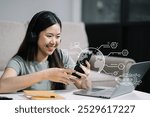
x: 59, y: 75
x: 84, y: 82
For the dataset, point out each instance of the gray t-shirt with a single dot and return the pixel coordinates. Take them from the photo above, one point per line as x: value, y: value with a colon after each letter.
x: 23, y: 67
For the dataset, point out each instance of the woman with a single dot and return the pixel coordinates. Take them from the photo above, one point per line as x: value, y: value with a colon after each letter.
x: 38, y: 64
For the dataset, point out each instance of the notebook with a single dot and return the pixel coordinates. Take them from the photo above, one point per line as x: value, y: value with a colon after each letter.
x: 42, y: 95
x: 126, y: 85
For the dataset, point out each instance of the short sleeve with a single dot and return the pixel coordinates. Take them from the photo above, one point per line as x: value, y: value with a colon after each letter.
x: 15, y: 63
x: 67, y: 60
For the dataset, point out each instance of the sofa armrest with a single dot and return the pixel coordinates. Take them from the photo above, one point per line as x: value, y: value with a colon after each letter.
x: 114, y: 65
x: 113, y: 68
x: 118, y: 65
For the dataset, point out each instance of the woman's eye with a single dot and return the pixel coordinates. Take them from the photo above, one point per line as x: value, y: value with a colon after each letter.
x: 58, y: 36
x: 49, y: 35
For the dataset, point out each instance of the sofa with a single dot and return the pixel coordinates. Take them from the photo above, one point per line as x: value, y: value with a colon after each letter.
x: 74, y: 39
x: 12, y: 34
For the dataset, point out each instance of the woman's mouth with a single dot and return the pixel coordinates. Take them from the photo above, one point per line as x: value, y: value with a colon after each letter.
x: 50, y: 49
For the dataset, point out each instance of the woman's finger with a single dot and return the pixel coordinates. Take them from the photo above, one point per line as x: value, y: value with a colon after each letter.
x: 81, y: 74
x: 88, y: 64
x: 63, y: 82
x: 85, y: 69
x: 68, y: 71
x: 66, y: 81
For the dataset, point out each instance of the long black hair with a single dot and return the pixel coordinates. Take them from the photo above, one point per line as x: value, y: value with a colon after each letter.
x: 28, y: 49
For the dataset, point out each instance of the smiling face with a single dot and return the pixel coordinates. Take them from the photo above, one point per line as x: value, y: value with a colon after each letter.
x: 49, y: 39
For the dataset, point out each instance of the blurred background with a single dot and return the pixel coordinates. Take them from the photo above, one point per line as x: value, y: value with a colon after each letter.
x: 126, y: 22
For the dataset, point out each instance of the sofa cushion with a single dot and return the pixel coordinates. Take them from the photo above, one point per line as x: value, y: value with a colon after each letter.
x: 11, y: 36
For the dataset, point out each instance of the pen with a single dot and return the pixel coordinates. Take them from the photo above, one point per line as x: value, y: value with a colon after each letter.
x: 41, y: 96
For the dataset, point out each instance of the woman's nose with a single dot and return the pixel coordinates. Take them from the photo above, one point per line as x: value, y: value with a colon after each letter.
x: 53, y: 41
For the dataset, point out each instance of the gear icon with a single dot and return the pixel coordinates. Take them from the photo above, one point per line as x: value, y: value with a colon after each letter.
x: 125, y: 52
x: 114, y: 45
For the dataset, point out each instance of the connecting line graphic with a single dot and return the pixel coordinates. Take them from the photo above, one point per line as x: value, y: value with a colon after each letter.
x: 119, y: 53
x: 112, y: 65
x: 124, y: 52
x: 112, y: 45
x: 104, y: 46
x: 120, y: 66
x: 107, y: 72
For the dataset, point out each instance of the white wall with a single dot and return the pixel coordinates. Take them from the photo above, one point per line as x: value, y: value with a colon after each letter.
x: 23, y: 10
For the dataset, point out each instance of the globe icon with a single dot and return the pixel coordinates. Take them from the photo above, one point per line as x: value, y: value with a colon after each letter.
x: 97, y: 58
